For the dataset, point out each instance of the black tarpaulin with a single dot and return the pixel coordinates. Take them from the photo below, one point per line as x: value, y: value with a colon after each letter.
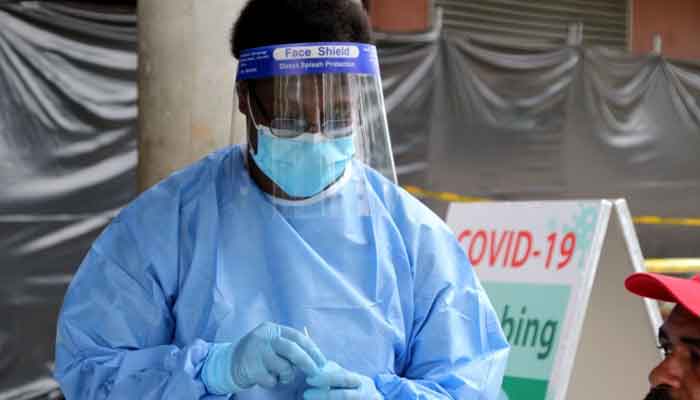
x: 504, y: 123
x: 68, y: 109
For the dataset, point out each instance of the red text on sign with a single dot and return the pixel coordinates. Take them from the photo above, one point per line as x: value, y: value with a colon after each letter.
x: 515, y: 248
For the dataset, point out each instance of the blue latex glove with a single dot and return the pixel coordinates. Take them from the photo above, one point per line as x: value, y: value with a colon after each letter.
x: 334, y: 382
x: 266, y: 357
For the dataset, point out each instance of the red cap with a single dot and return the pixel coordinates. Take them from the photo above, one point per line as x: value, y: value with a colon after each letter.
x: 666, y: 288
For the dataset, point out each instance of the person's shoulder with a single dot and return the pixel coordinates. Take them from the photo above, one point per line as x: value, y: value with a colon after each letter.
x: 154, y: 217
x: 185, y: 185
x: 399, y: 203
x: 159, y: 207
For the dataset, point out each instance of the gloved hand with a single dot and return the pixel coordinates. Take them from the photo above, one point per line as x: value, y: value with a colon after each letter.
x: 334, y: 382
x: 265, y: 357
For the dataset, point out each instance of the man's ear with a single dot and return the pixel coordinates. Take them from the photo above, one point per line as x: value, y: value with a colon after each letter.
x: 242, y: 91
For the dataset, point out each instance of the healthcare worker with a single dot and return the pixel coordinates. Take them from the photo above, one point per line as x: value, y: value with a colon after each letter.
x: 291, y: 267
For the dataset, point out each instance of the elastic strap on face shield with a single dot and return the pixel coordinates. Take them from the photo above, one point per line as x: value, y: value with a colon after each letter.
x: 252, y: 117
x: 258, y: 103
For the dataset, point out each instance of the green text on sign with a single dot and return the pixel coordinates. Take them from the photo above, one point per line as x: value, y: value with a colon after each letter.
x: 531, y: 316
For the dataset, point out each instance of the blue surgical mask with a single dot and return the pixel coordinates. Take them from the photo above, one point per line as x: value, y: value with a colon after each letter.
x: 302, y: 166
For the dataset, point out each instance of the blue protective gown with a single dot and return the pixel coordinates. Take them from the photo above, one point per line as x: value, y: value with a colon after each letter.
x: 205, y: 256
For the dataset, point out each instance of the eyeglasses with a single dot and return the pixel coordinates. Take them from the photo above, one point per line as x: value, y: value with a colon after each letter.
x: 341, y: 125
x: 289, y: 128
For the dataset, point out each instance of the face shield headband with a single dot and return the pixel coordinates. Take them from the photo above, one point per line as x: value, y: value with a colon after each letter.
x: 308, y: 58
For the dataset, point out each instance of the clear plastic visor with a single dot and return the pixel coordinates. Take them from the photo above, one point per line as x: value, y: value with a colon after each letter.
x: 325, y: 106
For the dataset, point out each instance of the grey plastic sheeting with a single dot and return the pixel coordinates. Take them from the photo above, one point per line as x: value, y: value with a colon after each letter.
x: 68, y: 109
x: 569, y: 122
x: 464, y: 117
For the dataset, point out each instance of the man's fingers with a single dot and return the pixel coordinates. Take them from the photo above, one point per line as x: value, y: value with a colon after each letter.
x: 278, y: 366
x: 266, y: 380
x: 305, y: 343
x: 293, y: 353
x: 334, y: 376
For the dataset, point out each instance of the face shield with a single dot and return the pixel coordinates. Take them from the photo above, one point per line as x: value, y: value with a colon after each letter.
x: 316, y: 110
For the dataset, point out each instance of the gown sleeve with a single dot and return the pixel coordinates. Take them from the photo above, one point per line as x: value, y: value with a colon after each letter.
x: 115, y: 329
x: 457, y: 349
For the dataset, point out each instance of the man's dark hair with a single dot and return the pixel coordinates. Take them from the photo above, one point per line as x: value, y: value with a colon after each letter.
x: 271, y: 22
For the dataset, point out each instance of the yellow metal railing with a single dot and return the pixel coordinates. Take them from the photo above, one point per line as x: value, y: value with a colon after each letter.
x: 458, y: 198
x: 673, y: 265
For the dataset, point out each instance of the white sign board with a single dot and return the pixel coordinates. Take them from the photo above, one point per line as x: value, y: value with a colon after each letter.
x: 554, y: 272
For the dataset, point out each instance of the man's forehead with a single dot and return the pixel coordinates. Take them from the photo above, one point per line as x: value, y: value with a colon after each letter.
x: 682, y: 322
x: 292, y: 91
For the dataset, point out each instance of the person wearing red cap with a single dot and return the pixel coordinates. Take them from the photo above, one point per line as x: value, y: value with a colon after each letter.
x: 677, y: 377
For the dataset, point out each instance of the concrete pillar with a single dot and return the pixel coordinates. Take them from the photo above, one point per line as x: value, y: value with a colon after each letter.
x: 186, y: 84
